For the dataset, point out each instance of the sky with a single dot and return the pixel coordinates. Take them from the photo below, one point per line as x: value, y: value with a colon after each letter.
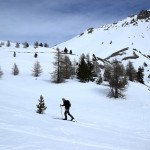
x: 56, y: 21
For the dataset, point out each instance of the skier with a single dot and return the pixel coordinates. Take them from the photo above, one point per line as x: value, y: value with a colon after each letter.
x: 67, y: 105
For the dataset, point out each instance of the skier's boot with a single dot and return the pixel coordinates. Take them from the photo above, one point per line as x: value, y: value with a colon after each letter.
x: 71, y: 119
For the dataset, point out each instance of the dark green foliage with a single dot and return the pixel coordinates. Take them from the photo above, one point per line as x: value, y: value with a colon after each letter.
x: 66, y: 50
x: 85, y: 69
x: 140, y: 75
x: 41, y: 106
x: 35, y: 55
x: 41, y: 44
x: 14, y: 54
x: 46, y: 45
x: 70, y: 52
x: 25, y: 45
x: 91, y: 72
x: 82, y: 71
x: 145, y: 64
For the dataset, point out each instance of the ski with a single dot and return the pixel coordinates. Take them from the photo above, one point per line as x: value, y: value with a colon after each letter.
x: 64, y: 120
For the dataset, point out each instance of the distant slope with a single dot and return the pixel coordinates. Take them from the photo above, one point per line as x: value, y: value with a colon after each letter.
x: 108, y: 41
x: 130, y: 32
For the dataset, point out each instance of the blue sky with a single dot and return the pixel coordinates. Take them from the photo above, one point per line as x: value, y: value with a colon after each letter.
x: 55, y: 21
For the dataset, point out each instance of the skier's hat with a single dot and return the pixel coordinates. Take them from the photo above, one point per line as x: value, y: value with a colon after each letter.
x: 63, y: 99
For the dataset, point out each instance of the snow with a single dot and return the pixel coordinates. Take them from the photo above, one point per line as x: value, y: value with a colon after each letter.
x: 102, y: 123
x: 134, y: 35
x: 98, y: 42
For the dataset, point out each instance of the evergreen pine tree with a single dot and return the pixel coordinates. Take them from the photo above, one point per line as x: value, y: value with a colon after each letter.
x: 14, y: 54
x: 25, y: 45
x: 83, y: 70
x: 41, y: 44
x: 46, y: 45
x: 35, y: 55
x: 140, y: 75
x: 41, y: 106
x: 90, y: 68
x: 70, y: 52
x: 66, y: 50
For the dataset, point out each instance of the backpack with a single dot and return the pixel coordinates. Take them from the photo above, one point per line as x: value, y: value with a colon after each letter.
x: 67, y: 102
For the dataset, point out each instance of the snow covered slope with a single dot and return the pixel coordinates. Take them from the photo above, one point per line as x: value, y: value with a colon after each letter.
x: 102, y: 123
x: 131, y: 33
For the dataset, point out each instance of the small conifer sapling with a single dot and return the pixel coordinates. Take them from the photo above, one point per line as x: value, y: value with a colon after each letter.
x: 41, y: 106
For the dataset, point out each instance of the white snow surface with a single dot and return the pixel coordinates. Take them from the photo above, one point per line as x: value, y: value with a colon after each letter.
x: 102, y: 123
x: 129, y: 32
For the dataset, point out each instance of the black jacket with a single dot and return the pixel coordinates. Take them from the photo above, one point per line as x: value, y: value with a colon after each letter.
x: 66, y: 104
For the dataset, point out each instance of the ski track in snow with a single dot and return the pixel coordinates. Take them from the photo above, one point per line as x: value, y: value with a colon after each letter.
x: 36, y: 132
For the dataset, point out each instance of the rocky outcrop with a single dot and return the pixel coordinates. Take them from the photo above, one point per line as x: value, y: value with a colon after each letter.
x: 144, y: 14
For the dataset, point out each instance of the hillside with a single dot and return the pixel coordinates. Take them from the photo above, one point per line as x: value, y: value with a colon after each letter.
x: 132, y: 34
x: 102, y: 123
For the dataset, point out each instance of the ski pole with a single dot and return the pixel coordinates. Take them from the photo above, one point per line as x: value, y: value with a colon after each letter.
x: 61, y: 111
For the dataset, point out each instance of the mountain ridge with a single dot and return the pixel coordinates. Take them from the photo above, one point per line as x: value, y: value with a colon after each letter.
x: 132, y: 33
x: 105, y: 35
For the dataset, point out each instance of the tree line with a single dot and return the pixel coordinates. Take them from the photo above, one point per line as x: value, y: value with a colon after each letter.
x: 25, y: 44
x: 115, y: 73
x: 87, y: 69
